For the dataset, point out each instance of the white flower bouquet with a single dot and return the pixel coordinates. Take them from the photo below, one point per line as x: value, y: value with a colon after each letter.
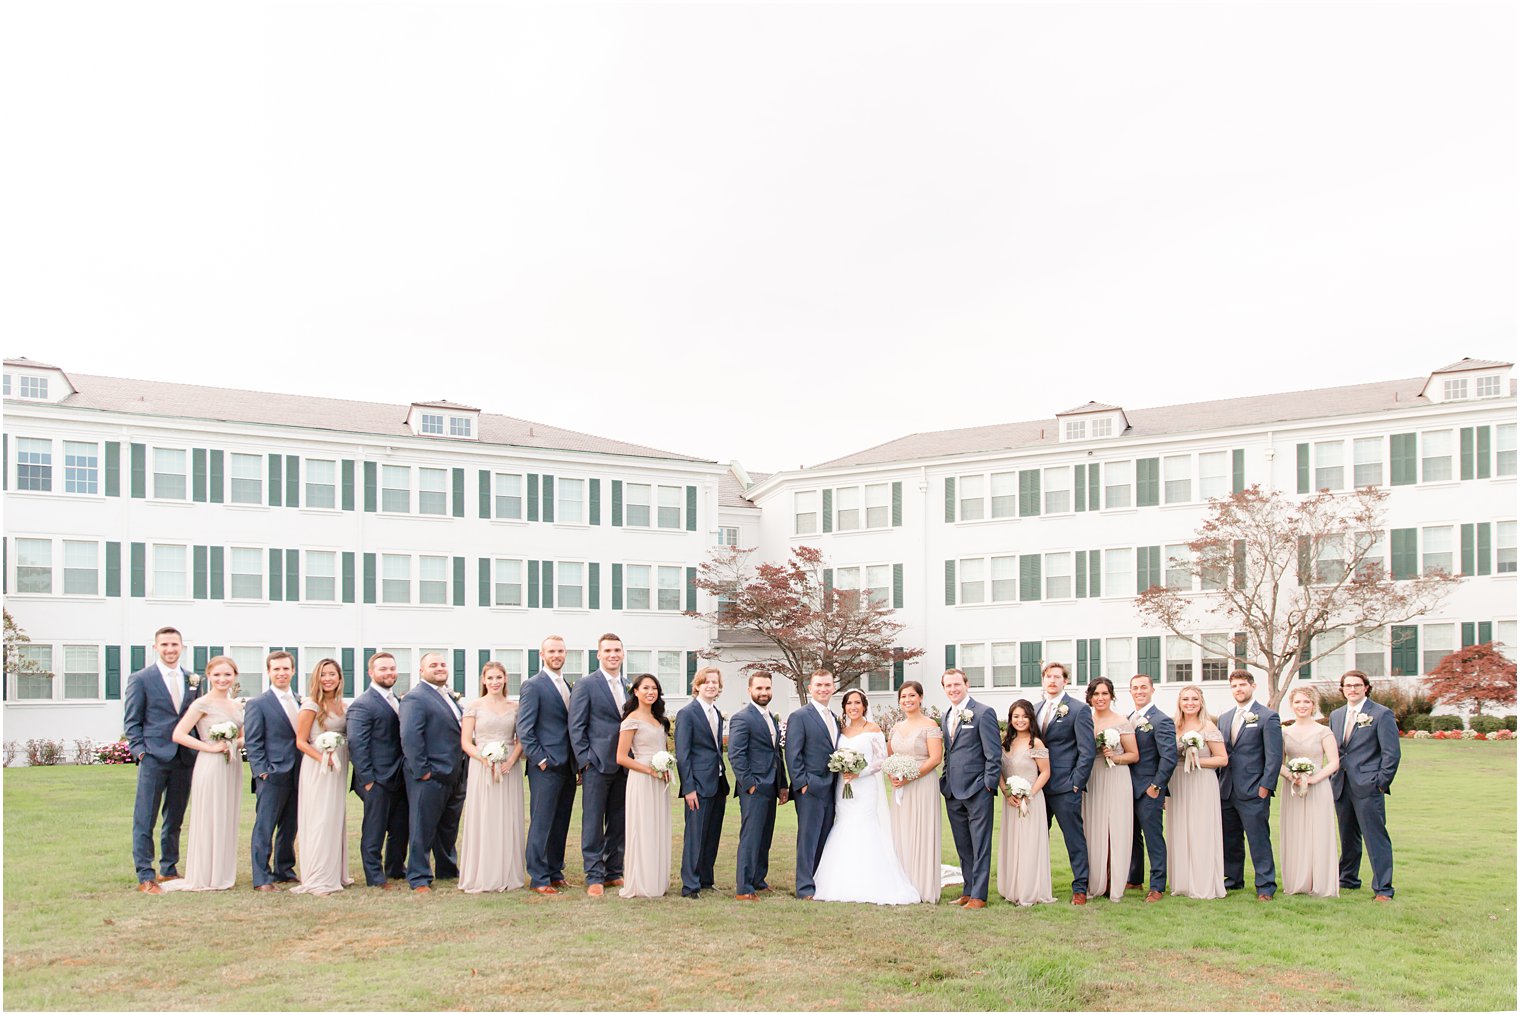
x: 846, y: 760
x: 1109, y: 739
x: 1018, y: 793
x: 327, y: 743
x: 1192, y: 744
x: 900, y: 766
x: 664, y: 764
x: 1297, y: 767
x: 495, y: 753
x: 227, y: 731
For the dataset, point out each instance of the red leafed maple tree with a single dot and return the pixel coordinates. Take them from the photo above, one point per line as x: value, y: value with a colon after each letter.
x: 806, y: 622
x: 1478, y: 675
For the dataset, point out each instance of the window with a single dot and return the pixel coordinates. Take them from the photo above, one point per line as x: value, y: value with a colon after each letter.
x: 169, y: 473
x: 669, y: 593
x: 81, y: 567
x: 1103, y: 427
x: 1058, y: 490
x: 879, y: 506
x: 1118, y: 654
x: 1367, y: 455
x: 728, y: 535
x: 250, y: 664
x: 637, y: 589
x: 246, y: 567
x: 805, y: 507
x: 1213, y: 474
x: 432, y: 423
x: 1177, y: 472
x: 847, y: 509
x: 1179, y: 659
x: 321, y: 483
x: 1372, y: 547
x: 1372, y: 652
x: 972, y: 494
x: 403, y: 669
x: 322, y: 576
x: 1438, y: 544
x: 432, y: 491
x: 1005, y: 486
x: 433, y: 581
x: 81, y: 467
x: 1435, y: 455
x: 461, y: 426
x: 1440, y: 641
x: 1329, y: 651
x: 512, y: 660
x: 570, y: 501
x: 874, y: 581
x: 1216, y: 657
x: 81, y: 671
x: 1329, y: 465
x: 638, y: 661
x: 1504, y: 634
x: 1063, y: 652
x: 1058, y: 576
x: 34, y: 566
x: 670, y: 506
x: 1504, y: 547
x: 636, y: 502
x: 37, y: 686
x: 972, y: 579
x: 1487, y: 387
x: 666, y: 664
x: 247, y: 473
x: 171, y: 566
x: 972, y: 660
x: 1330, y: 564
x: 1504, y: 449
x: 1076, y: 429
x: 1119, y: 572
x: 395, y: 579
x: 1118, y: 482
x: 569, y: 581
x: 1005, y: 579
x: 1455, y: 387
x: 34, y: 464
x: 509, y: 496
x: 7, y: 385
x: 1179, y: 575
x: 395, y: 488
x: 508, y: 576
x: 34, y: 387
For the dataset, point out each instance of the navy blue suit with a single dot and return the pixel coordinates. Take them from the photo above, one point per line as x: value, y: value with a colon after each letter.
x: 1369, y: 761
x: 699, y: 763
x: 809, y: 742
x: 435, y: 784
x: 1069, y: 738
x: 759, y: 765
x: 374, y: 747
x: 543, y: 728
x: 164, y: 767
x: 1158, y: 757
x: 269, y: 737
x: 973, y: 765
x: 1256, y: 755
x: 595, y: 715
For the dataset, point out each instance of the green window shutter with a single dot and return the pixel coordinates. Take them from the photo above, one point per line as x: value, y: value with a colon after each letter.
x: 113, y: 484
x: 1029, y: 492
x: 485, y: 493
x: 198, y: 475
x: 139, y: 657
x: 1148, y: 656
x: 459, y: 666
x: 547, y: 593
x: 484, y: 588
x: 1082, y: 674
x: 113, y: 570
x: 1147, y: 482
x: 594, y: 501
x: 592, y: 662
x: 1029, y: 577
x: 1093, y: 487
x: 533, y: 584
x: 218, y: 572
x: 899, y: 668
x: 139, y: 471
x: 458, y: 599
x: 1239, y: 661
x: 1485, y: 452
x: 1469, y: 551
x: 691, y: 667
x: 1237, y: 470
x: 199, y: 656
x: 897, y: 586
x: 1469, y: 634
x: 897, y: 518
x: 593, y: 586
x: 347, y: 662
x: 691, y: 590
x: 371, y: 486
x: 216, y: 481
x: 1485, y: 631
x: 276, y: 481
x: 1029, y: 663
x: 364, y: 657
x: 292, y: 481
x: 548, y: 487
x: 1094, y: 574
x: 276, y: 575
x: 1404, y: 559
x: 617, y: 586
x: 295, y: 657
x: 201, y: 565
x: 691, y: 514
x: 1305, y: 566
x: 532, y: 497
x: 949, y: 657
x: 828, y: 581
x: 617, y: 507
x: 1467, y: 452
x: 1304, y: 669
x: 1485, y: 547
x: 949, y: 498
x: 1081, y: 572
x: 215, y: 650
x: 1303, y: 468
x: 1405, y: 639
x: 1147, y: 567
x: 1079, y: 488
x: 1095, y: 656
x: 348, y: 484
x: 458, y: 508
x: 534, y: 665
x: 828, y: 510
x: 113, y: 672
x: 139, y: 570
x: 369, y: 584
x: 292, y: 576
x: 348, y: 576
x: 1238, y: 549
x: 950, y: 583
x: 1403, y: 459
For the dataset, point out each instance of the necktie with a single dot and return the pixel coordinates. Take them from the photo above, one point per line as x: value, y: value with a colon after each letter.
x: 174, y: 691
x: 390, y: 699
x: 290, y: 707
x: 1240, y: 720
x: 1045, y: 722
x: 955, y: 723
x: 1350, y: 725
x: 712, y: 722
x: 563, y: 689
x: 768, y: 724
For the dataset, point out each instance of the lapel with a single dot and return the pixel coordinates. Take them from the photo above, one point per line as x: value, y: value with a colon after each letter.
x: 832, y: 733
x: 602, y: 676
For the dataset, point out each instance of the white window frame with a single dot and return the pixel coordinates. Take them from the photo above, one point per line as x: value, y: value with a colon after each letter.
x: 974, y: 660
x: 1214, y: 474
x: 560, y: 586
x: 34, y: 650
x: 1128, y: 486
x: 308, y: 486
x: 63, y: 558
x: 424, y: 580
x: 393, y: 470
x: 660, y: 507
x: 1431, y: 654
x: 1488, y: 386
x: 154, y: 591
x: 1056, y: 481
x: 1453, y: 389
x: 430, y: 424
x: 81, y: 474
x: 497, y: 496
x: 309, y: 573
x: 1429, y: 462
x: 38, y: 387
x: 1058, y: 559
x: 436, y: 475
x: 153, y: 473
x: 1124, y: 587
x: 802, y: 509
x: 971, y: 498
x: 461, y: 426
x: 48, y: 465
x: 563, y: 515
x: 1177, y: 472
x: 1504, y: 449
x: 497, y: 583
x: 1504, y: 546
x: 262, y: 554
x: 390, y: 576
x: 1439, y: 533
x: 233, y: 479
x: 1003, y: 486
x: 1367, y: 456
x: 52, y: 553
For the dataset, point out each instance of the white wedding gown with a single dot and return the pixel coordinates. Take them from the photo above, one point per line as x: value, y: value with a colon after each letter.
x: 859, y: 861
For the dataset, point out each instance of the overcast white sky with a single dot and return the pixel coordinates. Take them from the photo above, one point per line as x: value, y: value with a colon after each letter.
x: 772, y: 233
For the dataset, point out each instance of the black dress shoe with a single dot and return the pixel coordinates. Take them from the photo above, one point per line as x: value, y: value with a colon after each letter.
x: 690, y: 895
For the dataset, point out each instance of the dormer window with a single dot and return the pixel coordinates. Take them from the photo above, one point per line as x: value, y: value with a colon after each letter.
x: 1454, y: 388
x: 432, y: 423
x: 1092, y: 421
x: 1488, y: 387
x: 1103, y: 427
x: 461, y: 426
x: 1468, y: 378
x: 34, y: 387
x: 444, y: 419
x: 1076, y: 429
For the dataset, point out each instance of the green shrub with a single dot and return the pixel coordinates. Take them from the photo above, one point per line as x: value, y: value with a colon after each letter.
x: 1509, y: 723
x: 1403, y: 703
x: 1444, y: 723
x: 1418, y: 721
x: 1329, y: 701
x: 1486, y: 723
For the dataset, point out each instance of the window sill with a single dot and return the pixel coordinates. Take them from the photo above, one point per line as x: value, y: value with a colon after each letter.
x: 167, y: 600
x: 54, y: 702
x: 515, y: 522
x: 245, y: 602
x: 51, y: 495
x: 162, y: 502
x: 499, y: 608
x: 571, y: 525
x: 321, y: 511
x: 245, y: 507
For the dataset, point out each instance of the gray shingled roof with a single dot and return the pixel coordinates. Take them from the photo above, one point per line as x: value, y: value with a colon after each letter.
x: 1472, y: 364
x: 195, y: 401
x: 22, y: 361
x: 1254, y: 410
x: 445, y: 404
x: 1089, y: 407
x: 731, y: 491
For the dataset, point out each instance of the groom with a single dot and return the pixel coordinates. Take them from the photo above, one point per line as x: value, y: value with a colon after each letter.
x: 157, y: 696
x: 812, y: 732
x: 973, y: 764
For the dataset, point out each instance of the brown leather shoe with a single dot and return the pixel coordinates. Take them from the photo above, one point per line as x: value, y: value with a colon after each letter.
x: 595, y: 891
x: 149, y: 888
x: 546, y: 890
x: 422, y: 890
x: 615, y: 882
x: 762, y: 891
x: 265, y: 888
x: 1153, y: 896
x: 559, y: 885
x: 167, y: 877
x: 1382, y: 898
x: 746, y: 897
x: 1079, y: 898
x: 975, y: 904
x: 1263, y: 898
x: 962, y: 900
x: 1130, y: 884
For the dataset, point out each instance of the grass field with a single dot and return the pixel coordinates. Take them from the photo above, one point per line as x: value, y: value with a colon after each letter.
x: 77, y: 936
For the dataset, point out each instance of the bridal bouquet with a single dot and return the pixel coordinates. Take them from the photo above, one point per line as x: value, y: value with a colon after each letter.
x: 1109, y: 739
x: 227, y: 731
x: 1299, y: 766
x: 495, y: 752
x: 1018, y: 793
x: 664, y: 764
x: 327, y: 743
x: 900, y: 766
x: 846, y: 760
x: 1192, y: 743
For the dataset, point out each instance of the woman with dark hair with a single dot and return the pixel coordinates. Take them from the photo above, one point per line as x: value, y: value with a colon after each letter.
x: 492, y: 848
x: 916, y: 800
x: 1024, y: 845
x: 322, y: 803
x: 646, y: 806
x: 1108, y: 807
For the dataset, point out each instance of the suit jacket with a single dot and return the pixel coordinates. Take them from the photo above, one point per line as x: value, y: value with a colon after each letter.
x: 973, y: 762
x: 1255, y: 755
x: 809, y: 742
x: 594, y: 720
x: 374, y: 741
x: 699, y: 756
x: 269, y: 737
x: 1158, y: 752
x: 758, y: 763
x: 543, y: 722
x: 150, y: 717
x: 1069, y: 738
x: 429, y: 734
x: 1370, y: 759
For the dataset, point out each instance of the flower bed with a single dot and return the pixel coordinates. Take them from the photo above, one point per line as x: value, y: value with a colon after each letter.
x: 1458, y: 735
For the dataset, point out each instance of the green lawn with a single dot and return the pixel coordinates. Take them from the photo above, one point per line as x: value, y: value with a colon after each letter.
x: 78, y: 936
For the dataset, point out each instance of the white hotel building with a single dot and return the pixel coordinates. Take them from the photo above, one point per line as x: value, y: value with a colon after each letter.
x: 252, y: 521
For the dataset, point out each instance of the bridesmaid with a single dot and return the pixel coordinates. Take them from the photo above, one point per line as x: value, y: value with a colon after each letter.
x: 492, y: 856
x: 1194, y: 829
x: 915, y: 818
x: 1108, y: 806
x: 215, y: 784
x: 1310, y: 858
x: 646, y: 807
x: 322, y: 804
x: 1024, y: 846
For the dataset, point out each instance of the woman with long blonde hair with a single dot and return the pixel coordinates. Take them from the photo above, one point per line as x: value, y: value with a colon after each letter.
x: 1194, y: 826
x: 322, y: 807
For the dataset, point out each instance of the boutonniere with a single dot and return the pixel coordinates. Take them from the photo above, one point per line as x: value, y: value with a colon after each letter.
x: 774, y: 718
x: 456, y: 696
x: 193, y: 679
x: 967, y: 718
x: 1061, y: 710
x: 1250, y: 719
x: 1363, y: 719
x: 1145, y: 726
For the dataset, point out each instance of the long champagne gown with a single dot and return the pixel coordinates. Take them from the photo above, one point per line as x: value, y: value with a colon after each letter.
x: 916, y: 823
x: 646, y: 819
x: 1310, y: 854
x: 322, y: 814
x: 216, y: 800
x: 1194, y: 828
x: 492, y: 845
x: 1024, y: 842
x: 1108, y: 818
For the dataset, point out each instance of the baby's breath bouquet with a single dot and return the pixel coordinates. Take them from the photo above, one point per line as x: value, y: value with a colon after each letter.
x: 227, y: 731
x: 900, y: 766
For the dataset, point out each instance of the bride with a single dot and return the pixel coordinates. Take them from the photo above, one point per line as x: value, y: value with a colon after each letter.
x: 859, y: 861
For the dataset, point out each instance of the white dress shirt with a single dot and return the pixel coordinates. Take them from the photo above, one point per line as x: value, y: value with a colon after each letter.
x: 388, y: 695
x: 767, y: 717
x: 828, y: 719
x: 443, y: 692
x: 174, y: 682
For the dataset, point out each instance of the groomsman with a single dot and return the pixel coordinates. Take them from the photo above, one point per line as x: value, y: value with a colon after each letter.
x: 704, y: 786
x: 435, y: 774
x: 596, y: 712
x: 374, y: 746
x: 1156, y: 739
x: 156, y: 698
x: 812, y: 733
x: 1066, y: 726
x: 269, y: 737
x: 973, y: 766
x: 1253, y: 738
x: 543, y: 728
x: 754, y: 751
x: 1369, y: 745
